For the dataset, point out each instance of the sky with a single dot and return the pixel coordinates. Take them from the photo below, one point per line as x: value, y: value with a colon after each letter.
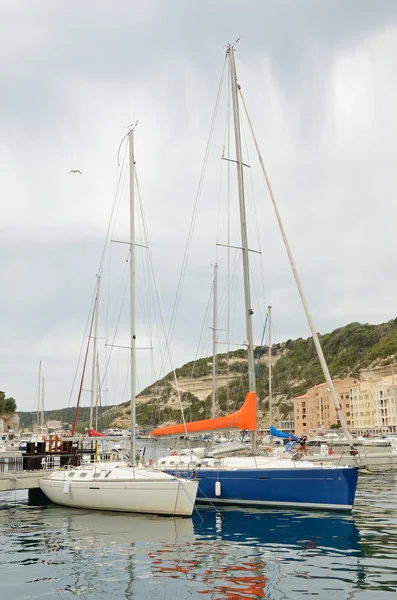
x: 319, y: 81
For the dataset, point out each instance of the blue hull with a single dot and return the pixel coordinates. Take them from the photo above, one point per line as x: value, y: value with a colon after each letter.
x: 332, y: 489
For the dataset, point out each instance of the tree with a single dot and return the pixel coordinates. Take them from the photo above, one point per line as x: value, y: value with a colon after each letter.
x: 7, y: 405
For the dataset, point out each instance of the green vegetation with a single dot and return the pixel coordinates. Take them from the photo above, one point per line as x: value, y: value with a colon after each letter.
x: 347, y: 350
x: 7, y: 405
x: 66, y: 415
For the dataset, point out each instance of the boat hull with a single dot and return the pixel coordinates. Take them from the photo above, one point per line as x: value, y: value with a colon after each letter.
x: 162, y: 497
x: 315, y: 488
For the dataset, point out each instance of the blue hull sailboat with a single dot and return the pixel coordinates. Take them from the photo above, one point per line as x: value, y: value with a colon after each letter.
x: 276, y: 480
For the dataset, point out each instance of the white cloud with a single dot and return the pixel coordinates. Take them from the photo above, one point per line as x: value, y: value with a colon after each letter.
x: 319, y: 83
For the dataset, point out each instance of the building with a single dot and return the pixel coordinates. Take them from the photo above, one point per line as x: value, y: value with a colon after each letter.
x: 315, y: 410
x: 300, y: 414
x: 10, y: 425
x: 361, y: 402
x: 384, y: 394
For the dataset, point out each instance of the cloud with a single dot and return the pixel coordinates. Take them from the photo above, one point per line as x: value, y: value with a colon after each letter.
x: 319, y: 82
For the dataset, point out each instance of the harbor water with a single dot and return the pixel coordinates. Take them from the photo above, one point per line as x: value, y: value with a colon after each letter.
x: 55, y: 552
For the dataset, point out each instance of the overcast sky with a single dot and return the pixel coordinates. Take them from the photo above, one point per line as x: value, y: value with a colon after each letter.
x: 319, y: 78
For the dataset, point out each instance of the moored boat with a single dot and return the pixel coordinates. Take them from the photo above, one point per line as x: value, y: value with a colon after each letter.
x: 257, y: 479
x: 123, y: 487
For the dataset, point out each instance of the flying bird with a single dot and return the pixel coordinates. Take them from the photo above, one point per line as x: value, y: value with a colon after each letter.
x: 75, y: 171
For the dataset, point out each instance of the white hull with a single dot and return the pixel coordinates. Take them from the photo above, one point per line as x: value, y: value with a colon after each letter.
x: 146, y: 493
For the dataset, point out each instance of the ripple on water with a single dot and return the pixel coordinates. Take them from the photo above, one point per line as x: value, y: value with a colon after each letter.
x: 58, y: 552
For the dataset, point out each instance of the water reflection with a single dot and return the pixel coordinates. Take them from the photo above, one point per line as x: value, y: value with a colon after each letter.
x: 227, y: 554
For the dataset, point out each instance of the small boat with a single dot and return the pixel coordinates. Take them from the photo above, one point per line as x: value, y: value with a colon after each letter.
x: 259, y: 479
x: 123, y: 487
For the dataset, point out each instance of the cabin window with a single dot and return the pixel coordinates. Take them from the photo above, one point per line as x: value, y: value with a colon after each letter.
x: 71, y: 474
x: 95, y: 475
x: 83, y: 474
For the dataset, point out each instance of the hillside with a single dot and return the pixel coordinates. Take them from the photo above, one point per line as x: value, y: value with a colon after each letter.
x: 351, y: 350
x: 66, y: 415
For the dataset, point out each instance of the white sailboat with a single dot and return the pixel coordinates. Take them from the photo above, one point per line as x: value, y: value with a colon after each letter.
x: 115, y: 486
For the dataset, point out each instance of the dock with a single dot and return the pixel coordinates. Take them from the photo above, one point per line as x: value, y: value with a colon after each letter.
x: 20, y: 480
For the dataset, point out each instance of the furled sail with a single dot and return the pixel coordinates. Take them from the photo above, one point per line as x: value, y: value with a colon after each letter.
x: 244, y: 418
x: 95, y: 433
x: 282, y: 434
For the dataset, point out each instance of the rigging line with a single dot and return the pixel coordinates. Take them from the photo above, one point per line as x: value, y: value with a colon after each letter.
x: 112, y: 225
x: 160, y: 306
x: 151, y: 269
x: 121, y: 295
x: 93, y: 296
x: 224, y: 293
x: 116, y: 193
x: 261, y: 346
x: 82, y: 345
x: 220, y: 189
x: 195, y: 209
x: 254, y: 213
x: 116, y: 331
x: 316, y: 340
x: 76, y: 412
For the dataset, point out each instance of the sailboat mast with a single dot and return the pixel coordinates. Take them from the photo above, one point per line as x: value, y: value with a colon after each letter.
x: 243, y: 222
x: 94, y: 382
x: 269, y: 324
x: 42, y: 407
x: 132, y: 295
x: 214, y: 319
x: 38, y: 399
x: 96, y: 390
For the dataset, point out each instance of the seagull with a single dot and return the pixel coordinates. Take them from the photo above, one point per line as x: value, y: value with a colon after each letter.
x: 75, y: 171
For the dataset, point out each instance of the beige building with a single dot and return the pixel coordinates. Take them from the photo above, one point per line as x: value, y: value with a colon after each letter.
x: 315, y: 411
x: 368, y: 406
x: 361, y: 397
x: 10, y: 425
x: 384, y: 394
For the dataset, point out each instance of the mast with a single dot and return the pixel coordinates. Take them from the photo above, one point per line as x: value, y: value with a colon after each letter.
x: 269, y: 324
x: 38, y: 399
x: 132, y: 296
x: 243, y: 222
x: 96, y: 391
x: 214, y: 318
x: 94, y: 381
x: 42, y: 406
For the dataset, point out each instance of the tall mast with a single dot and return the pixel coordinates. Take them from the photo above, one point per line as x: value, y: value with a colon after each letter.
x: 269, y: 324
x: 94, y: 381
x: 243, y: 222
x: 42, y: 406
x: 214, y: 319
x: 38, y: 399
x: 96, y: 390
x: 132, y: 296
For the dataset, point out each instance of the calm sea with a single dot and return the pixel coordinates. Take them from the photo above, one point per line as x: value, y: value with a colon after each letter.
x: 54, y: 552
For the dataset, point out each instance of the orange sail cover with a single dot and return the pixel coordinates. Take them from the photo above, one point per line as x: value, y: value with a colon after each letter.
x: 244, y: 418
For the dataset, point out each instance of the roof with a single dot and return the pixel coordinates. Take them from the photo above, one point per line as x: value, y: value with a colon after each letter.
x: 300, y: 397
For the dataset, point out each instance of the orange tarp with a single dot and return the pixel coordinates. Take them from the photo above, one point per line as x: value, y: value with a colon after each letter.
x: 244, y: 418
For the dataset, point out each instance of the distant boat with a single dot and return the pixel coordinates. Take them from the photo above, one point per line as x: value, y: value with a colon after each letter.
x: 257, y: 479
x: 115, y: 486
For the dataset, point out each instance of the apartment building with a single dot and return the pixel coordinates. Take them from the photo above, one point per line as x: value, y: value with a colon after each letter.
x: 361, y: 403
x: 315, y: 411
x: 384, y: 394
